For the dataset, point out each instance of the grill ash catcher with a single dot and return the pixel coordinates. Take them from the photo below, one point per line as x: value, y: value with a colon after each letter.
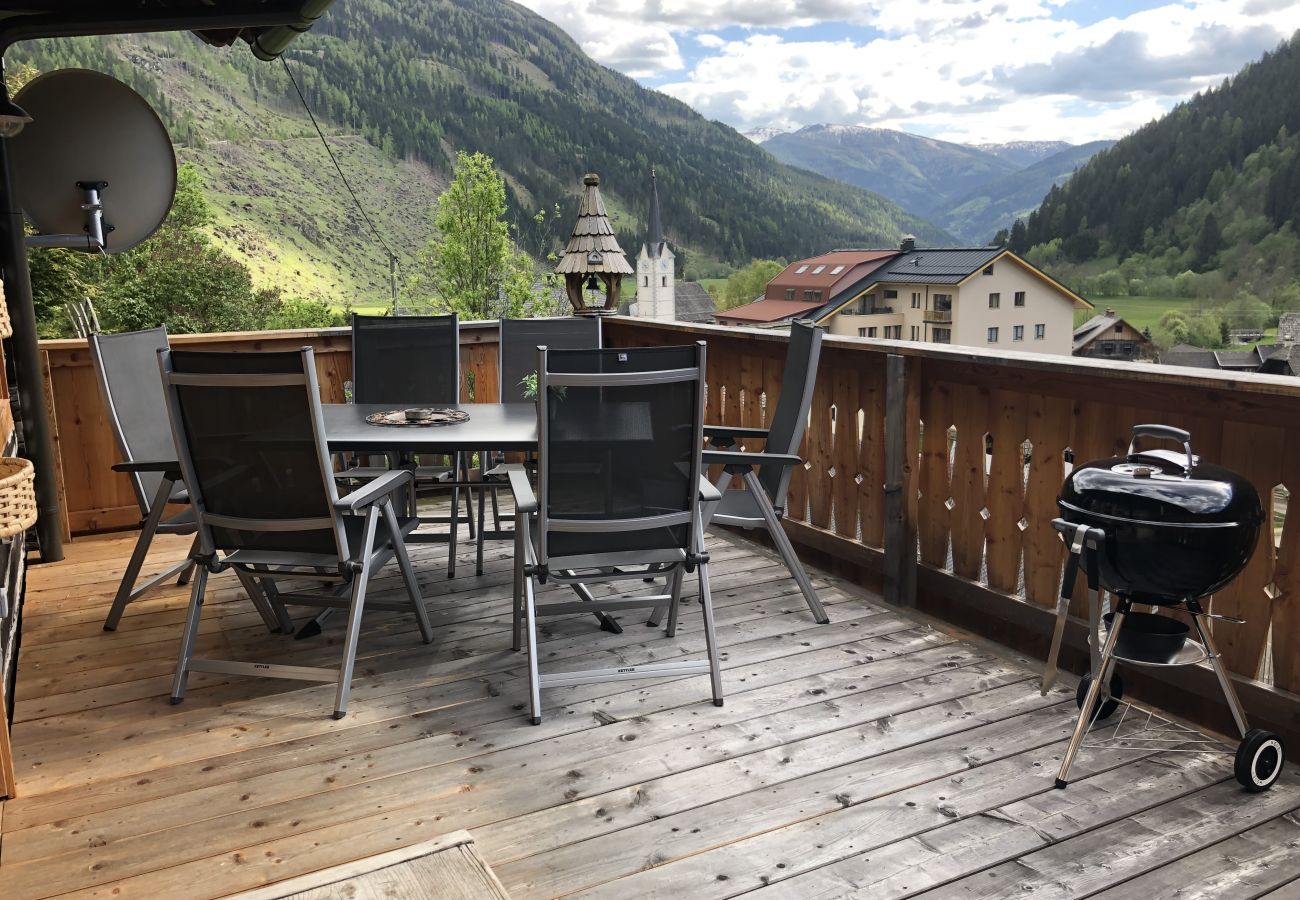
x: 1155, y: 528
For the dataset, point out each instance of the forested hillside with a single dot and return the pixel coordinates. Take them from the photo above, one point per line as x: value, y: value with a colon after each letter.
x: 401, y: 86
x: 996, y: 205
x: 1204, y: 201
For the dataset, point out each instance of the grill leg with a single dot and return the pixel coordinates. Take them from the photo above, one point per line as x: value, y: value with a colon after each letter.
x: 190, y: 633
x: 1092, y: 703
x: 1225, y: 680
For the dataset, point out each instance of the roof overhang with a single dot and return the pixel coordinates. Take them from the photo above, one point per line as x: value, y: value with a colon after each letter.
x: 267, y: 26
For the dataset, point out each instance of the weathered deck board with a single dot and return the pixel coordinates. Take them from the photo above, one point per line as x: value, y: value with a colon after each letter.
x: 875, y: 756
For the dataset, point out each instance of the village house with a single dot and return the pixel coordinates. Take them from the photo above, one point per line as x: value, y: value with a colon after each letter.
x: 978, y: 297
x: 1108, y: 336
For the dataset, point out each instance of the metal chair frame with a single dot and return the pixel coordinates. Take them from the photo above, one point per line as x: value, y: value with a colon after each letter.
x: 765, y: 475
x: 344, y: 575
x: 427, y: 475
x: 535, y: 564
x: 152, y: 500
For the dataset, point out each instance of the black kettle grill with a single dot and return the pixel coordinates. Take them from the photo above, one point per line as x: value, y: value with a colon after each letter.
x: 1160, y: 528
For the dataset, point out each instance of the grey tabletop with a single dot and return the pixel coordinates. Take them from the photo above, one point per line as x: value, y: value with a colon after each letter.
x: 491, y: 426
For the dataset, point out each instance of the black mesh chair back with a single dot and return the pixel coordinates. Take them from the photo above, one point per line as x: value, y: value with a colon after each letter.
x: 127, y: 367
x: 411, y: 360
x: 619, y: 463
x: 252, y: 446
x: 790, y: 418
x: 520, y: 339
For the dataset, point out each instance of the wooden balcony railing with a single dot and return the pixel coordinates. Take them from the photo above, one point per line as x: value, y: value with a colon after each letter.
x: 931, y: 471
x: 916, y: 475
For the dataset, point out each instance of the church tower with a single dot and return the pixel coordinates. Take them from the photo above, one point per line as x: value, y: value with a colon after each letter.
x: 656, y: 269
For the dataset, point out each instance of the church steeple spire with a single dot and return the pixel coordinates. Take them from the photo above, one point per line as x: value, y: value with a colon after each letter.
x: 655, y: 235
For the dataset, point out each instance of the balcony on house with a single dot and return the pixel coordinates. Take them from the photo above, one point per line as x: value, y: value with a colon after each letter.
x: 902, y: 750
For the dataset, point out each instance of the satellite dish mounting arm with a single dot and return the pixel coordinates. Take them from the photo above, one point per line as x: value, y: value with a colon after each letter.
x: 95, y: 228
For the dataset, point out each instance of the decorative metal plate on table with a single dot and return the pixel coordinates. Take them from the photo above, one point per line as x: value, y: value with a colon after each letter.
x: 418, y: 417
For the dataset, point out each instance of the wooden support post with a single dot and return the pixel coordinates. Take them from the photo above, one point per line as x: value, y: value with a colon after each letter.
x: 8, y: 780
x: 900, y: 527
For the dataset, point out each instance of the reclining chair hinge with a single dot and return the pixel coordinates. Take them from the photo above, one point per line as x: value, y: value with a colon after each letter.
x: 696, y: 559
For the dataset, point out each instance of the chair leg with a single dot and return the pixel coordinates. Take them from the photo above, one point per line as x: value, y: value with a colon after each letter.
x: 518, y: 584
x: 534, y: 675
x: 706, y: 605
x: 189, y: 634
x: 675, y: 588
x: 482, y: 510
x: 126, y: 589
x: 454, y: 518
x: 408, y: 572
x: 496, y: 512
x: 784, y: 547
x: 359, y: 583
x: 188, y: 572
x: 259, y: 600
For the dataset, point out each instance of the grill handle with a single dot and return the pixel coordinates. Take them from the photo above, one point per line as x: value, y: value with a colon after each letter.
x: 1168, y: 433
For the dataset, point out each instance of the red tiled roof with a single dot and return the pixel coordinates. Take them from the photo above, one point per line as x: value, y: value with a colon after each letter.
x: 853, y: 265
x: 767, y: 310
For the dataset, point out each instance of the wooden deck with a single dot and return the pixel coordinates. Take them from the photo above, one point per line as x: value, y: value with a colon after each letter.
x: 877, y: 756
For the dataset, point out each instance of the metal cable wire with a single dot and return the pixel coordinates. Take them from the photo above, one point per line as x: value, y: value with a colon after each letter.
x: 379, y: 237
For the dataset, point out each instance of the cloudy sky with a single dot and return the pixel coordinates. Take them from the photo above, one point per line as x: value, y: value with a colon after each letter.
x: 965, y: 70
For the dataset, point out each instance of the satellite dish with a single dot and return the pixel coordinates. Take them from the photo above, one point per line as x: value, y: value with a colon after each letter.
x: 95, y: 169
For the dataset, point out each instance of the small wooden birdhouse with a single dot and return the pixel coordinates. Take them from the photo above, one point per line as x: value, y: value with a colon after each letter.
x: 592, y: 259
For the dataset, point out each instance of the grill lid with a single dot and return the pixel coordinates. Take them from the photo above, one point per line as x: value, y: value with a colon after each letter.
x: 1162, y: 487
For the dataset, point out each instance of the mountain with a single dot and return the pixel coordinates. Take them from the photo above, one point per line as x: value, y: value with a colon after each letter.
x: 402, y: 86
x: 1024, y: 153
x: 759, y: 135
x: 978, y: 216
x: 1208, y: 194
x: 920, y: 174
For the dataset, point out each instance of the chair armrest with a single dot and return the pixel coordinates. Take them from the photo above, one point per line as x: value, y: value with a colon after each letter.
x: 708, y: 491
x: 149, y: 465
x: 525, y: 499
x: 737, y: 461
x: 375, y: 490
x: 726, y: 435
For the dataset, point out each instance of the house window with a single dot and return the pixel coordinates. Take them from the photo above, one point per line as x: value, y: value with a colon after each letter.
x: 801, y: 270
x: 894, y: 332
x: 789, y: 293
x: 817, y: 295
x: 819, y: 270
x: 862, y: 332
x: 837, y: 270
x: 916, y: 332
x: 1040, y: 332
x: 916, y: 299
x: 807, y: 295
x: 1020, y: 298
x: 1119, y: 329
x: 941, y: 336
x: 866, y: 304
x: 988, y: 270
x: 1107, y: 348
x: 1018, y: 333
x: 665, y: 281
x: 646, y: 281
x: 871, y: 332
x: 995, y: 301
x: 993, y: 335
x: 891, y: 295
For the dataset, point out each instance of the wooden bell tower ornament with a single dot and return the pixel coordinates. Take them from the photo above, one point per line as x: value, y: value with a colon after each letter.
x: 592, y: 258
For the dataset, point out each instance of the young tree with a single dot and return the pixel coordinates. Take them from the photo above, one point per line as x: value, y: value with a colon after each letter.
x: 748, y: 284
x: 473, y: 268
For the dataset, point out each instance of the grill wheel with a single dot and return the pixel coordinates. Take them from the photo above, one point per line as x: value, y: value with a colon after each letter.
x: 1110, y: 704
x: 1259, y: 760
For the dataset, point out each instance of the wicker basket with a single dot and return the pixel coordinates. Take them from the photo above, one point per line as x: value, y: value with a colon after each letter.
x: 6, y: 327
x: 17, y: 496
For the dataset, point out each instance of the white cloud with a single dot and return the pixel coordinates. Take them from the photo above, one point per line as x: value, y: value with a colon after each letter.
x: 971, y: 70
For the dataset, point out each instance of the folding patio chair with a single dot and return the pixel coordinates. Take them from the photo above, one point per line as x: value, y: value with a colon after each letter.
x: 619, y: 497
x: 765, y: 474
x: 414, y: 361
x: 126, y: 366
x: 252, y: 448
x: 518, y: 340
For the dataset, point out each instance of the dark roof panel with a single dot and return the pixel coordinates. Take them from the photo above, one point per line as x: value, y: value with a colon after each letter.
x: 937, y: 266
